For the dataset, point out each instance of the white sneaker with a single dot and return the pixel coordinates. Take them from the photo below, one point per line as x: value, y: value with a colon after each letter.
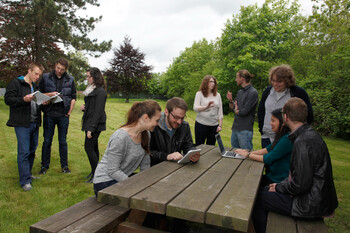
x: 27, y: 187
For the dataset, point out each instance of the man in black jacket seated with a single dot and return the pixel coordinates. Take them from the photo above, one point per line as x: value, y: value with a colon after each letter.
x: 309, y: 192
x: 173, y: 135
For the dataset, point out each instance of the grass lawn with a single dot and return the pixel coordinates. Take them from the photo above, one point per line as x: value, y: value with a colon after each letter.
x: 56, y: 191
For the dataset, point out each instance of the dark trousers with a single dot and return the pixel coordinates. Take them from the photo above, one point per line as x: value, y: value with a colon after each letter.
x: 103, y: 185
x: 91, y: 148
x: 49, y: 124
x: 265, y: 142
x: 204, y: 132
x: 27, y: 142
x: 269, y: 201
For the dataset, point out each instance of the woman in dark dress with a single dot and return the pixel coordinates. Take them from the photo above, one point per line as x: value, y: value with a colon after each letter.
x: 94, y: 118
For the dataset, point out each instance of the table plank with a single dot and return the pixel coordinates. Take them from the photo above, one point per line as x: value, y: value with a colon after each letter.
x: 155, y: 198
x: 120, y: 193
x: 232, y: 209
x: 193, y: 202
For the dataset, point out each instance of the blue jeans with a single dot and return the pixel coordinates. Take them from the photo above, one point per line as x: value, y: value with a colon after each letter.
x: 242, y: 139
x: 49, y: 124
x: 27, y: 142
x: 103, y: 185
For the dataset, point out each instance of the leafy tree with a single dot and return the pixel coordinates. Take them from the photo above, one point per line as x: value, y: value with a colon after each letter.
x: 322, y: 62
x: 183, y: 77
x: 38, y: 30
x: 128, y: 73
x: 259, y: 38
x: 77, y: 68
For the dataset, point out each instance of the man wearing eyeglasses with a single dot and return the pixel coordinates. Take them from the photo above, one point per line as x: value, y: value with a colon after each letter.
x: 173, y: 135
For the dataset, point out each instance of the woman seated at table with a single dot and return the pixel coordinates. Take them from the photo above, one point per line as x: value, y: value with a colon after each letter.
x: 128, y: 147
x: 275, y: 156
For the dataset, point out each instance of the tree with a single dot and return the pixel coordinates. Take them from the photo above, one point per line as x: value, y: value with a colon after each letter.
x: 38, y: 30
x: 128, y: 73
x: 259, y: 38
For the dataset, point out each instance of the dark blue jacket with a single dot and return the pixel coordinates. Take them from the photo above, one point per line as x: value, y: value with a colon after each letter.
x: 47, y: 84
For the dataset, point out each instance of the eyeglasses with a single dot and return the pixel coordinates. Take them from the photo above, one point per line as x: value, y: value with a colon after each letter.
x: 178, y: 118
x: 212, y: 81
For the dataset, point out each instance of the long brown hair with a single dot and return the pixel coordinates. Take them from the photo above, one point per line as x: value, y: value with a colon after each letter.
x: 204, y: 86
x: 97, y: 77
x: 137, y: 110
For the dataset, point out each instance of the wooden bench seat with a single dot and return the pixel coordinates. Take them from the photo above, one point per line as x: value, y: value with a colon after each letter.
x: 277, y: 223
x: 86, y: 216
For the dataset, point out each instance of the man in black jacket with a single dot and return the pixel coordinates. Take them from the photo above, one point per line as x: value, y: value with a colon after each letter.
x: 26, y: 118
x: 309, y: 192
x: 53, y: 83
x: 173, y: 135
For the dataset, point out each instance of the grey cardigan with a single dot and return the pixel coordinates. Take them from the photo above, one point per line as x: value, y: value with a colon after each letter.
x: 121, y: 158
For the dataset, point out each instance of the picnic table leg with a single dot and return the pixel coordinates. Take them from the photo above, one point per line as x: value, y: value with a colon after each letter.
x: 137, y: 216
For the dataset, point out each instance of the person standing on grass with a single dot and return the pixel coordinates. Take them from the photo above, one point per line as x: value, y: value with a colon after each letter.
x: 244, y: 109
x: 282, y: 88
x: 94, y: 118
x: 56, y: 82
x: 208, y: 106
x: 309, y: 191
x: 128, y: 148
x: 25, y: 117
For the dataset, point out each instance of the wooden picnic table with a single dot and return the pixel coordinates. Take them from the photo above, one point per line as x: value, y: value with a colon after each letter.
x: 215, y: 190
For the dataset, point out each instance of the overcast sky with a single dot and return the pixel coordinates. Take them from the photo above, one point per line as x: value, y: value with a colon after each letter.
x: 161, y: 29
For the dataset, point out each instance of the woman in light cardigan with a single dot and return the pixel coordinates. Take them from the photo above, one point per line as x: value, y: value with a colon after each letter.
x: 208, y: 106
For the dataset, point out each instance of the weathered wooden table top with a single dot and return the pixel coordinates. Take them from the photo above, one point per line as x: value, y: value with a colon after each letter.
x: 216, y: 190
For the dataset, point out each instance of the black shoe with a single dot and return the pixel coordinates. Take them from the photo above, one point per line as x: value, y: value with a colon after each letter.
x: 65, y: 170
x: 43, y: 171
x: 90, y: 180
x: 89, y: 176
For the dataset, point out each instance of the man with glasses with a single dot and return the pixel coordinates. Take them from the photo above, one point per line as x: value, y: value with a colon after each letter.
x: 53, y: 83
x: 173, y: 135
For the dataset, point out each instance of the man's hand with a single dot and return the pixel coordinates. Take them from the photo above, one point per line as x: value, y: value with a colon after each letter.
x: 28, y: 98
x: 88, y: 134
x: 174, y: 156
x: 229, y: 96
x: 82, y: 107
x: 272, y: 187
x: 195, y: 157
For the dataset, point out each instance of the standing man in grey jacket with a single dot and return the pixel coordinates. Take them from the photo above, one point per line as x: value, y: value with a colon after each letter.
x: 244, y: 109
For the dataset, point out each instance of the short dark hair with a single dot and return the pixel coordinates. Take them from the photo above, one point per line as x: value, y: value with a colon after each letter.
x: 283, y: 73
x: 296, y: 109
x: 36, y: 64
x: 245, y: 74
x: 63, y: 62
x: 176, y: 102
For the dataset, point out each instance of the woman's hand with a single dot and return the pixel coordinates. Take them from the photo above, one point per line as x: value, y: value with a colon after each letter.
x: 210, y: 104
x: 82, y: 107
x: 219, y: 128
x: 242, y: 152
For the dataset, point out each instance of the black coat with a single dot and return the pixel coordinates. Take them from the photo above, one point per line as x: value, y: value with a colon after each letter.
x: 162, y: 144
x: 20, y: 111
x: 94, y: 118
x: 295, y: 91
x: 311, y: 184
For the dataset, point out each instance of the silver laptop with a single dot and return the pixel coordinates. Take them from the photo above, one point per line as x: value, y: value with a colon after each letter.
x: 224, y: 153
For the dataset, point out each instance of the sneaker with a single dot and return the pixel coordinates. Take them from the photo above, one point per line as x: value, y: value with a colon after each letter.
x: 43, y: 171
x: 65, y: 170
x: 27, y: 187
x: 34, y: 177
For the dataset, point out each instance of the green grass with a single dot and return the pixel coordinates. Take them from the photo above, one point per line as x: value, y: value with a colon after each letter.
x: 56, y: 191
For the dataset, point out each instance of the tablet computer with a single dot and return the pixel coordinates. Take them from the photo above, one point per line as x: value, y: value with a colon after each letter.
x: 186, y: 158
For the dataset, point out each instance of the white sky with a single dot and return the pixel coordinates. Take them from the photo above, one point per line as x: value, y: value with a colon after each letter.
x: 161, y: 29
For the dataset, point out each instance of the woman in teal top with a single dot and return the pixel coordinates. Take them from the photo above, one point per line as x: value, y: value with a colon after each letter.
x: 275, y: 156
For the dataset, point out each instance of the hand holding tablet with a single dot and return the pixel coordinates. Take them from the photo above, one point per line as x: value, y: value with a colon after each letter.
x: 186, y: 158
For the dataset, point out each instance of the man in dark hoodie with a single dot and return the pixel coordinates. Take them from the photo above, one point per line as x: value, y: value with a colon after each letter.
x: 25, y: 117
